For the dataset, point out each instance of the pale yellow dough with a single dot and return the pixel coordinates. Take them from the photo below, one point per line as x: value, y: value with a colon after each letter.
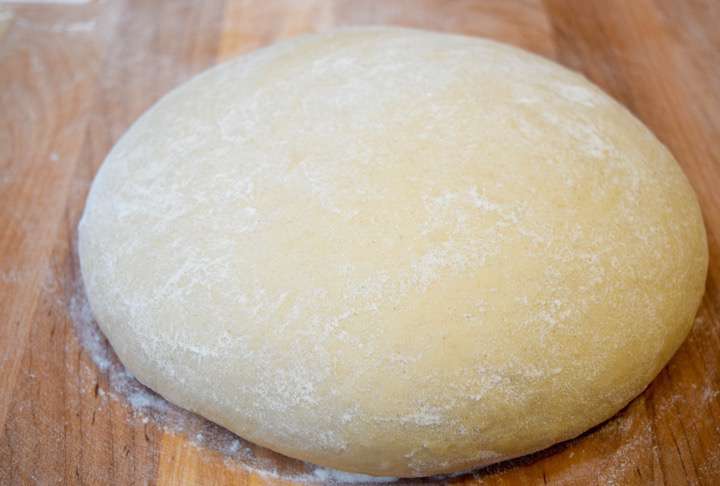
x: 393, y: 252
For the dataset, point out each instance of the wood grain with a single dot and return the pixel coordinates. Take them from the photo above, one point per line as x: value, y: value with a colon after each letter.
x: 72, y: 79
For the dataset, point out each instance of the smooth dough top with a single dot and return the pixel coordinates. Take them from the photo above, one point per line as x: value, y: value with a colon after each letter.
x: 392, y: 251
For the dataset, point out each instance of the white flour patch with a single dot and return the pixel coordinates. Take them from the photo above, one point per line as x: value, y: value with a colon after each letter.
x: 69, y: 28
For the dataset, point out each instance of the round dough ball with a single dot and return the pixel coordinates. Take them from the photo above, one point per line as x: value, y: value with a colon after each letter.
x: 393, y: 252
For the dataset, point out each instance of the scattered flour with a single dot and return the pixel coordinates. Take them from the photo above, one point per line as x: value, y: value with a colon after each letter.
x: 67, y: 28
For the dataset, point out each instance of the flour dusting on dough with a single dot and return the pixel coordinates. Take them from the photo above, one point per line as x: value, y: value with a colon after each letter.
x: 382, y: 236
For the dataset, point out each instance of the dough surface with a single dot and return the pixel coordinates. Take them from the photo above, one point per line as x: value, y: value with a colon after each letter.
x: 393, y: 252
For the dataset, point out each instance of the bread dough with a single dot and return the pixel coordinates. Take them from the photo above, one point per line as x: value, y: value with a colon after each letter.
x: 393, y: 252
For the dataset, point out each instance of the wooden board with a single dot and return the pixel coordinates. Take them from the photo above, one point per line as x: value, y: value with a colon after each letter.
x: 74, y: 75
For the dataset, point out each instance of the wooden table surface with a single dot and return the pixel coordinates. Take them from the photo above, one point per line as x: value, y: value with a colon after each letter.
x: 74, y: 75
